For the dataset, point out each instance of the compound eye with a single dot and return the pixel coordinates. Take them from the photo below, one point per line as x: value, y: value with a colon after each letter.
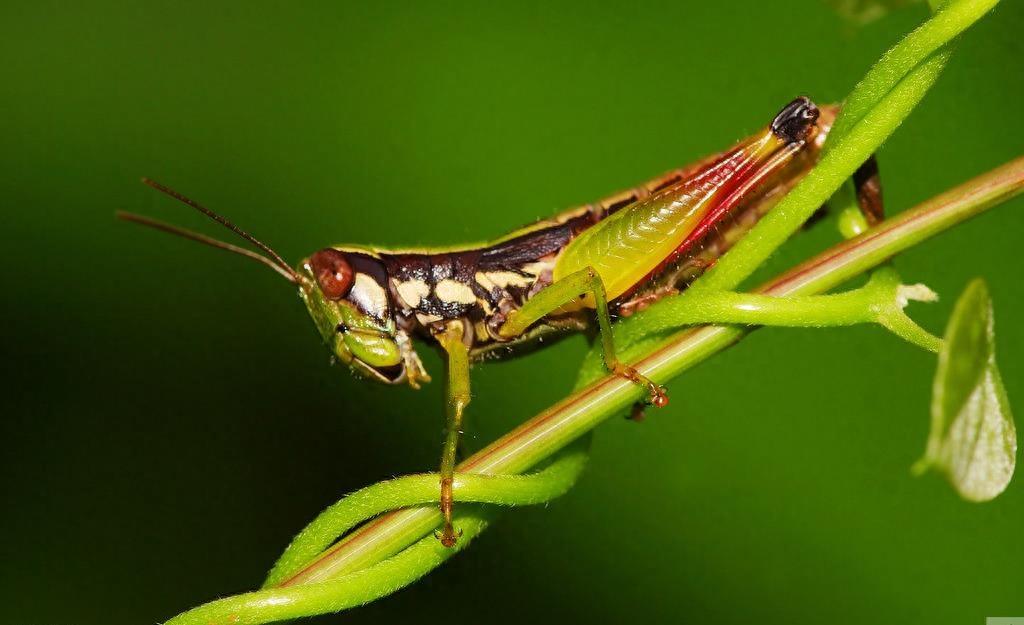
x: 333, y: 273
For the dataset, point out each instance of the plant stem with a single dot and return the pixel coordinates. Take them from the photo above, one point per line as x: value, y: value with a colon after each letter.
x: 359, y: 569
x: 950, y: 19
x: 876, y: 107
x: 880, y: 301
x: 542, y: 435
x: 835, y: 167
x: 366, y: 503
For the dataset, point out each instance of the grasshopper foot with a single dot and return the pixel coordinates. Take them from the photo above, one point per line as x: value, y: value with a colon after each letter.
x: 448, y: 536
x: 657, y: 396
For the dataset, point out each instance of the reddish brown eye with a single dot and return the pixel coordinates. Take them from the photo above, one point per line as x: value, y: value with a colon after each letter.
x: 333, y: 273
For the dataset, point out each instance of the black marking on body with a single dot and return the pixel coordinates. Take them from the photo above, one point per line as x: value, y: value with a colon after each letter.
x: 434, y: 270
x: 445, y: 285
x: 527, y: 248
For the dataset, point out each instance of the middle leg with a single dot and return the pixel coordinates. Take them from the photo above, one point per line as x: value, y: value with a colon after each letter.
x: 572, y: 287
x: 451, y: 339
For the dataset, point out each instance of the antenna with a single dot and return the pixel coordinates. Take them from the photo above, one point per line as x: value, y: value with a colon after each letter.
x: 274, y: 261
x: 202, y: 238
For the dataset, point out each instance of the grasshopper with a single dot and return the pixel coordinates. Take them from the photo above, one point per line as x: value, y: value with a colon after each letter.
x: 615, y: 256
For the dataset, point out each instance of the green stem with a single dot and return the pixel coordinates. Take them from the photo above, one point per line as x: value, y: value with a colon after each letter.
x: 876, y: 107
x: 539, y: 437
x: 809, y: 311
x: 868, y: 250
x: 875, y: 302
x: 835, y: 167
x: 363, y: 567
x: 347, y: 591
x: 274, y: 604
x: 949, y: 21
x: 872, y: 303
x: 904, y: 327
x: 366, y: 503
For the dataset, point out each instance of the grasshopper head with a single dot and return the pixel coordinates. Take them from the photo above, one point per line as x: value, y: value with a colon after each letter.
x: 344, y: 291
x: 346, y: 295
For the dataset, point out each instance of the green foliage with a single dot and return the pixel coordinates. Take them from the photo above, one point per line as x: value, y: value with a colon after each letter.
x: 973, y: 440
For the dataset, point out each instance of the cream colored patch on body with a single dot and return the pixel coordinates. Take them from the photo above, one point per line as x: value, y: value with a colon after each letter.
x: 502, y: 279
x: 482, y: 279
x: 427, y: 319
x: 412, y: 292
x: 453, y: 291
x: 539, y: 267
x: 369, y: 295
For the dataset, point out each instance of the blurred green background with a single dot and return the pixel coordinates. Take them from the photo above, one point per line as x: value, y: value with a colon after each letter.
x: 169, y: 415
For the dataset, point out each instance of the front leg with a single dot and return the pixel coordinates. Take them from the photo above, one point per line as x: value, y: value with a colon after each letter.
x: 572, y: 287
x: 451, y: 339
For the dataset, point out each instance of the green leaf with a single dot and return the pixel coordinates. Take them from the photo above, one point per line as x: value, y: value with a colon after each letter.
x: 973, y: 440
